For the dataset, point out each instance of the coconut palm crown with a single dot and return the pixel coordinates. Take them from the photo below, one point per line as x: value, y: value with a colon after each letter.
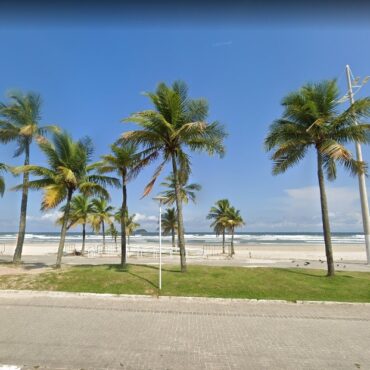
x: 311, y: 119
x: 19, y: 122
x: 187, y: 191
x: 69, y: 170
x: 176, y: 124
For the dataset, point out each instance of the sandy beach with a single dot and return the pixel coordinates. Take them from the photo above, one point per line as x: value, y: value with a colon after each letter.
x: 345, y: 252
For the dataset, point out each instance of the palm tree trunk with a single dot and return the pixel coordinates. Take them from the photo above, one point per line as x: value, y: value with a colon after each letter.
x: 180, y: 222
x: 64, y: 231
x: 83, y: 238
x: 103, y: 230
x: 325, y: 217
x: 223, y: 241
x: 173, y: 238
x: 123, y: 223
x: 232, y: 241
x: 22, y: 221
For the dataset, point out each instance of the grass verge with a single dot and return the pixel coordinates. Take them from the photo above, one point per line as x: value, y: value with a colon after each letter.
x: 201, y: 281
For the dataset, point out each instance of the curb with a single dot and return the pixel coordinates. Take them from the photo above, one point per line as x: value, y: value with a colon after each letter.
x: 135, y: 297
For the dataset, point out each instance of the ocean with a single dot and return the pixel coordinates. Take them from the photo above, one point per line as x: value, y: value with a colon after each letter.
x: 197, y: 238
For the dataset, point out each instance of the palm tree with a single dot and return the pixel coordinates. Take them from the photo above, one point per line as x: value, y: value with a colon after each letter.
x: 112, y: 231
x: 177, y: 123
x: 102, y: 214
x: 69, y: 171
x: 3, y: 168
x: 311, y: 120
x: 19, y: 121
x: 169, y: 224
x: 218, y: 214
x: 234, y: 220
x: 81, y: 209
x: 187, y: 192
x: 131, y: 226
x: 126, y: 162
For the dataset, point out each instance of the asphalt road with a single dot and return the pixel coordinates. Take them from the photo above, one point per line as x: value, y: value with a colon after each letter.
x: 65, y: 331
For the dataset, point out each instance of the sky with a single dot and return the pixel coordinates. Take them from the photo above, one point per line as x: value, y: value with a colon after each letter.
x: 91, y: 74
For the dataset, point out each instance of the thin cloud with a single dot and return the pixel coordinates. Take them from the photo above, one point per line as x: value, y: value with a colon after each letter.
x: 222, y: 43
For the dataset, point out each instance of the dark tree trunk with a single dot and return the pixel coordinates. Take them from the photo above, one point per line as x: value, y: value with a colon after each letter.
x: 325, y: 217
x: 223, y: 241
x: 173, y: 238
x: 64, y: 230
x: 22, y: 221
x: 123, y: 223
x: 180, y: 222
x: 103, y: 231
x: 232, y: 241
x: 83, y: 238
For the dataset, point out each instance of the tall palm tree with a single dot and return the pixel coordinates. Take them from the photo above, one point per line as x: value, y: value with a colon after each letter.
x: 102, y: 214
x: 177, y: 123
x: 311, y: 119
x: 131, y: 226
x: 19, y: 121
x: 187, y: 191
x: 81, y: 209
x: 218, y: 213
x: 169, y: 224
x: 3, y: 168
x: 126, y: 162
x: 69, y: 171
x: 234, y: 220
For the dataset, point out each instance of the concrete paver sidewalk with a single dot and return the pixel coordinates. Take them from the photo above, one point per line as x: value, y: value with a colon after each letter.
x: 82, y: 332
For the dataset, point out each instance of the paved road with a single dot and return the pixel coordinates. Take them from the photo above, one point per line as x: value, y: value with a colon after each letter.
x: 74, y: 332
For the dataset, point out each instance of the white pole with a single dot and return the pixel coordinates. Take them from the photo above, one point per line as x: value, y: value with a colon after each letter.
x: 160, y: 245
x: 361, y: 181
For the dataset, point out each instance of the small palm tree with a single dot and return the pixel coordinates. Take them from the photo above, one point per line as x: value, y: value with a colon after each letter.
x: 68, y: 172
x: 112, y: 231
x: 177, y: 123
x: 187, y: 192
x: 81, y: 210
x: 169, y: 224
x: 311, y: 120
x: 3, y: 168
x: 19, y: 121
x: 131, y: 226
x: 234, y: 220
x: 126, y: 162
x: 101, y: 215
x: 218, y: 213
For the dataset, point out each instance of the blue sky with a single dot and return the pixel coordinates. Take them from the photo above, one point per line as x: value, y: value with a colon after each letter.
x: 91, y: 76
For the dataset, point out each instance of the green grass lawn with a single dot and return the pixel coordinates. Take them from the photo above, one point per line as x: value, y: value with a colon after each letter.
x: 201, y: 281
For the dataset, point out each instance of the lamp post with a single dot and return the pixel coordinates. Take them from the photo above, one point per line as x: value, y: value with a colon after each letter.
x: 361, y: 177
x: 160, y: 200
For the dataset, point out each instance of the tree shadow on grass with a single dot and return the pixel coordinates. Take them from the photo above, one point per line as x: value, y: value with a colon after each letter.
x: 24, y: 265
x: 144, y: 279
x: 304, y: 272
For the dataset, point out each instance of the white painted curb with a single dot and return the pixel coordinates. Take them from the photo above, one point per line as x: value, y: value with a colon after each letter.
x: 54, y: 294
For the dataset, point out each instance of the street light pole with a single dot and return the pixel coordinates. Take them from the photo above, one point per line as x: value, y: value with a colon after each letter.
x: 160, y: 245
x: 160, y: 200
x: 361, y: 179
